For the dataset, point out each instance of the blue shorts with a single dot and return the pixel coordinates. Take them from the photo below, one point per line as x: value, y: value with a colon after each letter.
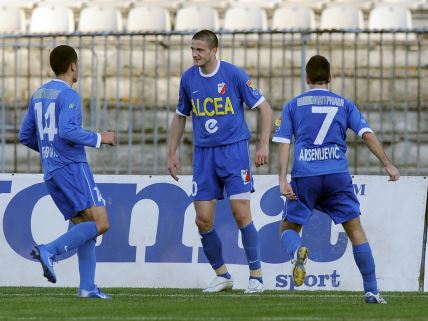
x: 220, y: 168
x: 332, y: 194
x: 73, y: 189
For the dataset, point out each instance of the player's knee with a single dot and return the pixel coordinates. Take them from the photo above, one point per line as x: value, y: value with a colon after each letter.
x: 203, y: 224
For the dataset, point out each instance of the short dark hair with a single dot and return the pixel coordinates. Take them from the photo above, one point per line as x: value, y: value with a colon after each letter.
x: 61, y: 58
x: 318, y: 70
x: 208, y: 36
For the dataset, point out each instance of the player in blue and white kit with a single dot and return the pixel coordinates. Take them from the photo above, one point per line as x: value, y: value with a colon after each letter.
x: 53, y: 127
x: 320, y: 179
x: 213, y: 92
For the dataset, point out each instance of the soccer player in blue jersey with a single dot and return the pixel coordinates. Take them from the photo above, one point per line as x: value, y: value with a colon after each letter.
x: 53, y: 127
x: 318, y: 120
x: 213, y: 92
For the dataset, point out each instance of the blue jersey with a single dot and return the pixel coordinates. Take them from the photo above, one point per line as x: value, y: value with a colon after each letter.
x: 215, y: 102
x: 53, y: 127
x: 318, y: 120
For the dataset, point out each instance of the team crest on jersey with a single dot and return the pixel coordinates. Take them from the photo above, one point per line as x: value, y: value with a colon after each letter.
x: 72, y: 106
x: 246, y: 175
x: 221, y: 88
x: 278, y: 121
x: 250, y: 83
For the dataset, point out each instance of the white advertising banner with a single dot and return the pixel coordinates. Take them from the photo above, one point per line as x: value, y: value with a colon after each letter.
x: 153, y: 241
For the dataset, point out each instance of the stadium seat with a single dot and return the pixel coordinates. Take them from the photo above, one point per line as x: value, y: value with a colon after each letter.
x: 293, y: 17
x: 409, y: 4
x: 52, y: 19
x: 342, y: 17
x: 245, y: 19
x: 316, y: 5
x: 122, y: 4
x: 100, y: 19
x: 219, y: 5
x: 148, y: 18
x: 364, y: 5
x: 73, y: 4
x: 12, y: 20
x: 171, y: 5
x: 196, y: 18
x: 264, y: 4
x: 391, y: 18
x: 24, y: 4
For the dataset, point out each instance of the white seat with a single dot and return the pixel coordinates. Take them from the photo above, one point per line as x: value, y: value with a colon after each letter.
x: 196, y: 18
x: 24, y: 4
x: 100, y: 19
x: 220, y: 5
x: 245, y: 19
x: 148, y: 18
x: 293, y: 17
x: 342, y: 17
x: 122, y: 4
x: 12, y: 20
x: 365, y: 5
x: 409, y: 4
x: 168, y: 4
x: 264, y: 4
x: 313, y: 4
x: 73, y: 4
x: 52, y: 19
x: 391, y: 18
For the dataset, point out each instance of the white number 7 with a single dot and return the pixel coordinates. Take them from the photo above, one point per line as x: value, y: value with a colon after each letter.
x: 331, y: 112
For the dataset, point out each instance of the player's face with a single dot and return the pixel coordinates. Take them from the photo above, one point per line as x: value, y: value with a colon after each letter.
x: 202, y: 54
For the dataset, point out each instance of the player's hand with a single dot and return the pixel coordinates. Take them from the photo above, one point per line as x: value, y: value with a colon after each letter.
x: 108, y: 138
x: 287, y: 191
x: 262, y: 155
x: 393, y: 172
x: 173, y: 167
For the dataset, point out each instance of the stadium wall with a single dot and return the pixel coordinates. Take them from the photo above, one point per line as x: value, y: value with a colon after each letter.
x: 153, y: 241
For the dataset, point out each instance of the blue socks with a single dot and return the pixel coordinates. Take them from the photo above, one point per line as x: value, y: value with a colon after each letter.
x: 365, y: 262
x: 87, y: 263
x: 212, y: 248
x: 250, y: 241
x: 74, y: 238
x: 291, y: 241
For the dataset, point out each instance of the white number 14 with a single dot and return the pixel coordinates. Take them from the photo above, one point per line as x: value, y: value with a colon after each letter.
x: 50, y: 121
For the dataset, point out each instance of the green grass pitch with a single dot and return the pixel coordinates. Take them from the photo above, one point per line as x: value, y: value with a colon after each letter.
x: 31, y: 303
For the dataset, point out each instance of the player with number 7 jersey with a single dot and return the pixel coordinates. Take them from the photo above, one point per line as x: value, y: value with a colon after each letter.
x: 318, y: 119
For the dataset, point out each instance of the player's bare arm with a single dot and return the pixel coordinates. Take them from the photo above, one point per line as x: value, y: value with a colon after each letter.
x: 376, y: 148
x: 262, y: 153
x: 108, y: 138
x: 176, y: 132
x: 284, y: 185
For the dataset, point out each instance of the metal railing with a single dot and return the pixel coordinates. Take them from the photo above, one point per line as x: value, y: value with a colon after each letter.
x: 129, y: 83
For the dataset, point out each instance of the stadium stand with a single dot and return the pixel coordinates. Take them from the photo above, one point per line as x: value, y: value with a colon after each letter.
x: 219, y: 5
x: 12, y: 20
x: 100, y: 19
x: 293, y: 17
x: 171, y: 5
x: 148, y: 18
x: 25, y: 4
x: 196, y: 18
x: 52, y: 19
